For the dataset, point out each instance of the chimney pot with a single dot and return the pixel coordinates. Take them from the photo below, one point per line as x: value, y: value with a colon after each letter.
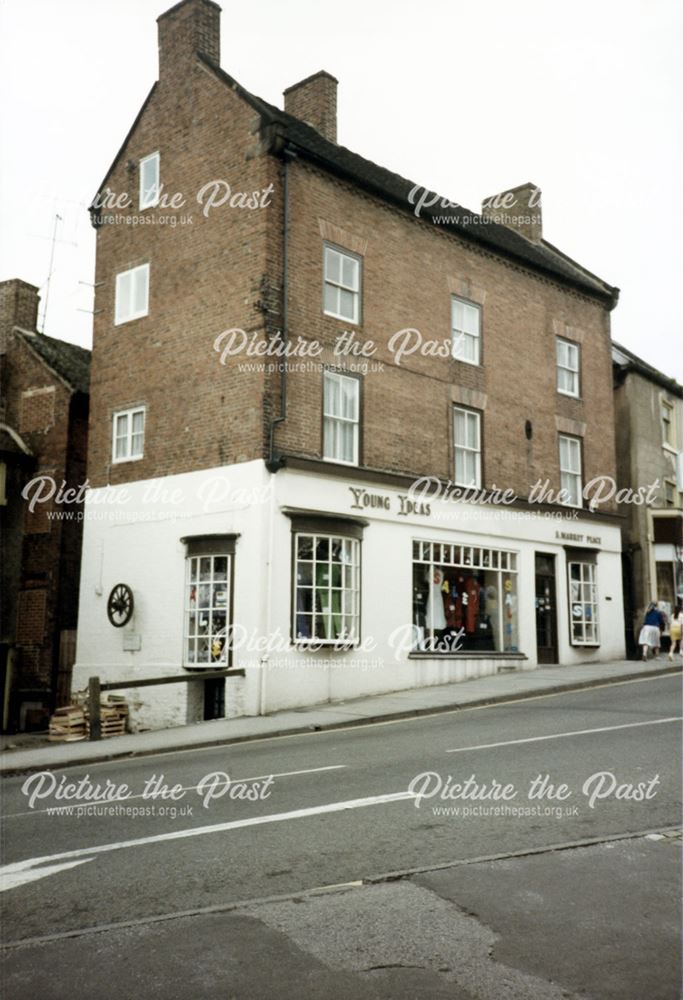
x: 314, y: 101
x: 518, y: 208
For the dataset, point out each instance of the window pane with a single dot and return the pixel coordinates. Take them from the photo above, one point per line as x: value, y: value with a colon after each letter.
x: 473, y: 430
x: 350, y: 388
x: 304, y: 547
x: 332, y: 265
x: 458, y: 310
x: 460, y: 433
x: 123, y: 295
x: 331, y: 299
x: 471, y: 320
x: 330, y: 438
x: 138, y: 421
x: 332, y: 395
x: 350, y: 272
x: 347, y: 304
x: 149, y: 181
x: 141, y: 276
x: 460, y: 474
x: 347, y: 435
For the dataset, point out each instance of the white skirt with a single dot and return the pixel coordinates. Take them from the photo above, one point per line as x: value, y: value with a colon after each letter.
x: 649, y: 636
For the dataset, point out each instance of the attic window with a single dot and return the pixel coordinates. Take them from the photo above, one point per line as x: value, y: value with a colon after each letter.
x: 149, y: 181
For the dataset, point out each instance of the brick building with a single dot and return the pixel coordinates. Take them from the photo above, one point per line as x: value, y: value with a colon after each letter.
x: 43, y: 434
x: 260, y: 466
x: 649, y: 421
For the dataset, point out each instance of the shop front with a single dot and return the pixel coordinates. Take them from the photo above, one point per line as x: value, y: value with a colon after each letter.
x: 323, y: 588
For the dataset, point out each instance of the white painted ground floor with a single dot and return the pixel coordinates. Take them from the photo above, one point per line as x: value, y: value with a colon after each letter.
x: 325, y: 587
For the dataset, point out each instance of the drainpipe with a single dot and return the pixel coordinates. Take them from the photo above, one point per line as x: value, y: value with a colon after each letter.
x: 274, y: 463
x: 263, y: 664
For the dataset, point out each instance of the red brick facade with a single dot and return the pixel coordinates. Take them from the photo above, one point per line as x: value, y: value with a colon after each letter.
x: 225, y: 269
x: 44, y: 433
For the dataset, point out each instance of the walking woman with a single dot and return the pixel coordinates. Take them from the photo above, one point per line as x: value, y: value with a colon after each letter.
x: 651, y: 633
x: 676, y: 631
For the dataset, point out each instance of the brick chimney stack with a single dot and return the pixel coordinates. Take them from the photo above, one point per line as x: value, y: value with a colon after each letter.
x: 314, y: 101
x: 18, y: 306
x: 191, y: 27
x: 518, y: 208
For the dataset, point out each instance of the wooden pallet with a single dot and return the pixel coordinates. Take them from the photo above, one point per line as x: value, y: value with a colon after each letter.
x: 113, y: 717
x: 67, y: 725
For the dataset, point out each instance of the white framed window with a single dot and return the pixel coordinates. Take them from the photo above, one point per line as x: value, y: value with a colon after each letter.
x: 667, y: 420
x: 341, y: 418
x: 466, y: 331
x: 132, y: 294
x: 128, y: 442
x: 669, y: 493
x: 467, y: 446
x: 341, y: 293
x: 207, y: 609
x: 464, y: 599
x: 327, y: 589
x: 570, y: 470
x: 583, y: 604
x: 568, y: 357
x: 149, y: 181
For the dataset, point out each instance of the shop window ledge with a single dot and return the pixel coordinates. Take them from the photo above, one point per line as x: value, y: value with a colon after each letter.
x: 464, y: 655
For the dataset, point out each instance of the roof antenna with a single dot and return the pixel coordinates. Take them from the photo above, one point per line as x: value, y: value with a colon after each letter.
x: 58, y: 219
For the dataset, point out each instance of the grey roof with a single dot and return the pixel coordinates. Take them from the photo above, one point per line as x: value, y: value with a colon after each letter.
x: 626, y: 361
x: 309, y: 143
x: 288, y: 131
x: 69, y: 361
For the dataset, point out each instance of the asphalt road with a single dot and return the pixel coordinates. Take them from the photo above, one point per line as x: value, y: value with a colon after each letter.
x: 522, y: 921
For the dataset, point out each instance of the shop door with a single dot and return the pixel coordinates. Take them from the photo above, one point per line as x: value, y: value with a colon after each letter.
x: 546, y: 612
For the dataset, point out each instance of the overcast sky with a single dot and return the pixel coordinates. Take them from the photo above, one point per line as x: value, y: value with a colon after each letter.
x: 466, y: 98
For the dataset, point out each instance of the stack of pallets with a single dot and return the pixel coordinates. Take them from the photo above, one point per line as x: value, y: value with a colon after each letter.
x: 113, y: 716
x: 67, y: 725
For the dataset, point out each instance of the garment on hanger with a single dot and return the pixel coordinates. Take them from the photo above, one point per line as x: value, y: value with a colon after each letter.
x: 436, y: 618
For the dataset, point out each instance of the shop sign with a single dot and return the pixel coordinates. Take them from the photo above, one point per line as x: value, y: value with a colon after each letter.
x: 569, y: 536
x: 362, y: 499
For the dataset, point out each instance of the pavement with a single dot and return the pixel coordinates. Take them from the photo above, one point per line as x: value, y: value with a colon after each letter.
x: 17, y: 757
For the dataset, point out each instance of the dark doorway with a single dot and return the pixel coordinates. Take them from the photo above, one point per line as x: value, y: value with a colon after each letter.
x: 214, y: 698
x: 546, y: 611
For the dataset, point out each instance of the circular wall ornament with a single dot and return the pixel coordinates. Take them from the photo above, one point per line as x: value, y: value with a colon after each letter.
x: 120, y: 605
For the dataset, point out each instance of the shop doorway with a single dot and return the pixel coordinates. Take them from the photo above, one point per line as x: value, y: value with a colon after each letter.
x: 546, y: 609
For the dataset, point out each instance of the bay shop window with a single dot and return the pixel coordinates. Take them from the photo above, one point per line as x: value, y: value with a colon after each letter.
x: 465, y: 599
x: 326, y: 579
x: 208, y: 601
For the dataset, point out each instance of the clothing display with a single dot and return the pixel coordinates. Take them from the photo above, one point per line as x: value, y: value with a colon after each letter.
x: 436, y: 617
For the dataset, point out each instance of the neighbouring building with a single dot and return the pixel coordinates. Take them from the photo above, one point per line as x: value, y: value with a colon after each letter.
x: 288, y: 337
x: 43, y: 436
x: 649, y: 427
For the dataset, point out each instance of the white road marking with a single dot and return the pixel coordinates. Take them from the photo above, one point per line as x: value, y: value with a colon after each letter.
x: 88, y: 852
x: 186, y: 788
x: 560, y: 736
x: 12, y: 876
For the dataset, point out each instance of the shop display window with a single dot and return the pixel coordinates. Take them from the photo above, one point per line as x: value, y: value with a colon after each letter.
x: 207, y: 610
x: 464, y: 599
x: 583, y: 604
x: 327, y: 589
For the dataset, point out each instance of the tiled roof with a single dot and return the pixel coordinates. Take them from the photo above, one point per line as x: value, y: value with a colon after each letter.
x: 626, y: 361
x: 309, y: 143
x: 69, y: 361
